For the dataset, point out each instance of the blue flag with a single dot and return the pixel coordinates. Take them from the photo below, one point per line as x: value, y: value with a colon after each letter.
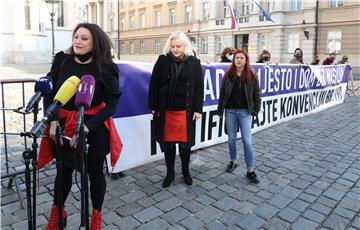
x: 266, y: 14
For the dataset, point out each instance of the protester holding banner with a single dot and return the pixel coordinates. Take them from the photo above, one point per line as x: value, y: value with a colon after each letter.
x: 240, y: 98
x: 176, y: 99
x: 316, y: 60
x: 330, y: 59
x: 89, y: 54
x: 343, y: 60
x: 227, y: 54
x: 298, y: 57
x: 264, y: 57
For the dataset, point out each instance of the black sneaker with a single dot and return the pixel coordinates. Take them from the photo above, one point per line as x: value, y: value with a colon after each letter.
x: 231, y: 166
x: 252, y: 177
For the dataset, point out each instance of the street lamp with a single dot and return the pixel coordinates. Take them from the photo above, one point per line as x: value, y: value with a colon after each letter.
x: 52, y: 6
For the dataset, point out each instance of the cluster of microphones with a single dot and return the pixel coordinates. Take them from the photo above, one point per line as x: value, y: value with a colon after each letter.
x: 84, y: 90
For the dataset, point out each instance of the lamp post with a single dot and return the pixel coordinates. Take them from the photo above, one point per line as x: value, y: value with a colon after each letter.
x: 52, y: 6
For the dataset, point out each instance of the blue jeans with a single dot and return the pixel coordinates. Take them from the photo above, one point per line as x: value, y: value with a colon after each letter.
x: 235, y: 118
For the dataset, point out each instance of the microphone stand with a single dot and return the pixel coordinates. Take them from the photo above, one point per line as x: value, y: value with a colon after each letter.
x: 57, y: 148
x: 82, y: 151
x: 30, y: 155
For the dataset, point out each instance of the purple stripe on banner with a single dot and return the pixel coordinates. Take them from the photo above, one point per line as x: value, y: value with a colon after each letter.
x: 274, y: 80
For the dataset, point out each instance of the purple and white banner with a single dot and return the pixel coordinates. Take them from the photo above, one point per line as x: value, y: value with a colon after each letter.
x: 288, y: 92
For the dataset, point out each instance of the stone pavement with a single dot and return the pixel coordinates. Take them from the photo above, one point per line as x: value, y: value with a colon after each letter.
x: 309, y: 179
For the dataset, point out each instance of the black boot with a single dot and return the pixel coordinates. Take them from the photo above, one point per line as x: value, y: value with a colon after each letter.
x: 185, y: 161
x: 170, y: 164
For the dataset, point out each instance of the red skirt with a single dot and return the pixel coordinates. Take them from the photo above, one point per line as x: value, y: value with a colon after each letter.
x: 175, y: 126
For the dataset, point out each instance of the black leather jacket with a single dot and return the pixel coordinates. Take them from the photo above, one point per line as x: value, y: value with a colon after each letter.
x: 252, y: 92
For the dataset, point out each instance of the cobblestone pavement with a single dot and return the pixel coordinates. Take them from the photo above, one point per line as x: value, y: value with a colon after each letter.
x: 309, y: 179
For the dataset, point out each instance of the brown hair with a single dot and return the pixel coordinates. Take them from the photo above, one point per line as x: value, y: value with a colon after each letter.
x: 247, y: 74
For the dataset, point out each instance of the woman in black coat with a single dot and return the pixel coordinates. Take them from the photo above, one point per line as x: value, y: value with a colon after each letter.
x: 176, y: 99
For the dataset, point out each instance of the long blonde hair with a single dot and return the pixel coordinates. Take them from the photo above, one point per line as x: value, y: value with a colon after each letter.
x: 183, y: 38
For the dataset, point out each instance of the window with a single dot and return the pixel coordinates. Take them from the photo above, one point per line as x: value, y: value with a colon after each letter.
x: 295, y: 5
x: 333, y: 41
x: 336, y: 3
x: 142, y: 46
x: 157, y: 46
x: 188, y: 14
x: 205, y: 10
x: 218, y: 44
x: 27, y: 15
x: 264, y: 42
x: 172, y: 17
x: 142, y: 20
x: 293, y: 42
x: 111, y: 24
x: 122, y: 24
x: 204, y: 45
x: 60, y: 14
x: 132, y: 47
x: 225, y: 9
x: 132, y: 22
x: 157, y: 18
x: 122, y: 47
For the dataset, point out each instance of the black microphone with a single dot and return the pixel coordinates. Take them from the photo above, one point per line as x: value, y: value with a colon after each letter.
x: 43, y: 87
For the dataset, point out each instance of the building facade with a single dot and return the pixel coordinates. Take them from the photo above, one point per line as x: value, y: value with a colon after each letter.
x: 26, y: 30
x: 320, y: 27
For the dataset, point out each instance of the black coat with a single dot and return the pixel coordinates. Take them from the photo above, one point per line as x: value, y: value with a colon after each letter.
x: 159, y: 93
x: 252, y: 92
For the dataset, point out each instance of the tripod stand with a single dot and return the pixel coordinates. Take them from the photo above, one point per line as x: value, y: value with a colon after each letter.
x: 30, y: 155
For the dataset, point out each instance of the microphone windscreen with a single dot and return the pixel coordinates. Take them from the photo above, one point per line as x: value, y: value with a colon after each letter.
x: 44, y: 85
x: 85, y: 92
x: 67, y: 90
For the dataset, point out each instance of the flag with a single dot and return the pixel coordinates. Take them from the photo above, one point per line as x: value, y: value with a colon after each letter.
x: 234, y: 22
x: 266, y: 14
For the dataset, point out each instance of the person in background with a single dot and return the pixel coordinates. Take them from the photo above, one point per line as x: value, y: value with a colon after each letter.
x: 227, y: 54
x: 240, y: 98
x: 316, y: 60
x: 343, y: 60
x: 330, y: 59
x: 264, y: 57
x: 298, y: 57
x: 175, y: 98
x: 89, y: 54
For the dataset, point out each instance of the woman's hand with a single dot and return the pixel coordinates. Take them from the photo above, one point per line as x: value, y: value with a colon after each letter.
x: 155, y: 113
x: 196, y: 116
x: 72, y: 142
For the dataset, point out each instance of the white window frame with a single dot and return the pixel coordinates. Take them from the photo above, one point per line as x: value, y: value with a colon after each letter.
x: 218, y: 45
x: 132, y: 47
x: 157, y: 18
x: 293, y: 41
x: 122, y: 24
x: 265, y: 42
x: 142, y: 20
x: 295, y: 5
x: 204, y: 44
x: 205, y: 10
x: 333, y: 43
x: 142, y: 46
x: 172, y: 17
x: 132, y: 22
x: 188, y: 14
x: 157, y: 46
x: 336, y: 3
x: 27, y: 15
x: 225, y: 9
x: 122, y: 47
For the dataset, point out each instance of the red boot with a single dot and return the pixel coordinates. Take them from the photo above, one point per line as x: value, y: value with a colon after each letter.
x: 95, y: 219
x: 53, y: 220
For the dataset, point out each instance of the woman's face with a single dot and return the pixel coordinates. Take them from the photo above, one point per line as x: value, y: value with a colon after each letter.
x: 82, y: 41
x: 240, y: 60
x: 298, y: 53
x: 177, y: 48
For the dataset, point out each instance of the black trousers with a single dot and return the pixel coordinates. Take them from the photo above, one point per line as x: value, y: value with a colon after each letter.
x: 99, y: 146
x: 170, y: 153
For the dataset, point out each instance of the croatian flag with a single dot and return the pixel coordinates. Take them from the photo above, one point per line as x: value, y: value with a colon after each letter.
x: 234, y: 22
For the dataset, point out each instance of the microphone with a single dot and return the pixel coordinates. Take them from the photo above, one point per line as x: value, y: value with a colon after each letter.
x: 84, y: 97
x: 43, y: 87
x: 63, y: 95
